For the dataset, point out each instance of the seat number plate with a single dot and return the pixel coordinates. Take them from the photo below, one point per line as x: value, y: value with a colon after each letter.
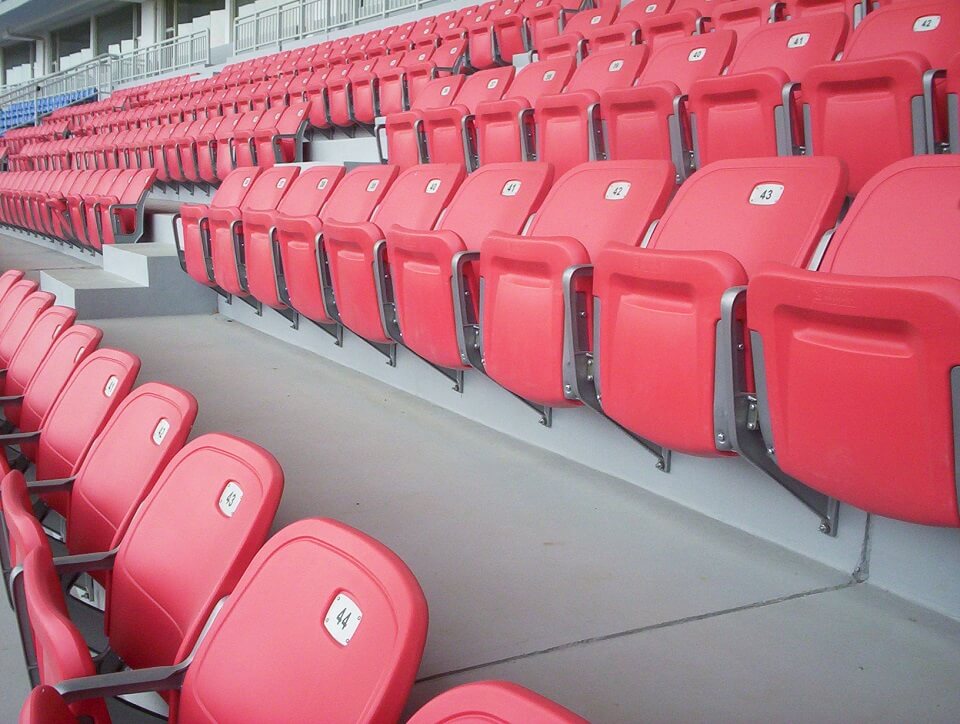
x: 111, y: 386
x: 926, y: 23
x: 230, y: 499
x: 617, y: 191
x: 798, y: 40
x: 766, y: 194
x: 160, y: 431
x: 510, y: 188
x: 342, y: 619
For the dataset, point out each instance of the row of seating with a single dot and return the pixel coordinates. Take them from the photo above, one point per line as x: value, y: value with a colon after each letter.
x: 17, y: 114
x: 86, y: 209
x: 619, y: 103
x: 138, y: 502
x: 451, y: 267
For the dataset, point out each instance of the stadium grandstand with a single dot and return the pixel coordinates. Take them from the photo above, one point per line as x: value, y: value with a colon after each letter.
x: 622, y: 337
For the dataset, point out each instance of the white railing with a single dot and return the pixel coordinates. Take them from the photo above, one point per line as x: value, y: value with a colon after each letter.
x: 105, y: 72
x: 94, y: 74
x: 298, y: 18
x: 184, y: 51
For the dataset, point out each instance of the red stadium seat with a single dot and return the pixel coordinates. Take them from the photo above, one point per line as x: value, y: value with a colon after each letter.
x: 374, y: 628
x: 448, y: 131
x: 750, y: 112
x: 881, y: 316
x: 96, y: 387
x: 23, y: 319
x: 853, y: 9
x: 404, y: 130
x: 12, y: 299
x: 645, y: 121
x: 745, y: 17
x: 571, y: 39
x: 494, y: 701
x: 869, y: 108
x: 304, y: 199
x: 26, y: 361
x: 124, y: 462
x: 568, y: 124
x: 47, y: 382
x: 193, y: 236
x: 498, y: 123
x: 228, y: 235
x: 660, y: 305
x: 354, y: 199
x: 415, y: 200
x: 522, y: 332
x: 217, y: 488
x: 418, y: 307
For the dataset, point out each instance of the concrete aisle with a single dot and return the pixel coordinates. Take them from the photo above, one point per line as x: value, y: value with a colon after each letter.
x: 614, y: 602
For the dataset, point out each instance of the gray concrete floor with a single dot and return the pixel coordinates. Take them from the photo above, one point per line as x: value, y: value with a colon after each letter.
x: 616, y: 603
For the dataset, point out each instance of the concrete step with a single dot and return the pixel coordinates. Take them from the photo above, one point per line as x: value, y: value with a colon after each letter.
x: 136, y: 281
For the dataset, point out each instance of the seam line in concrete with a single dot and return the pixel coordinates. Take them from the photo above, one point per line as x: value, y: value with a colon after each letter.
x: 641, y: 629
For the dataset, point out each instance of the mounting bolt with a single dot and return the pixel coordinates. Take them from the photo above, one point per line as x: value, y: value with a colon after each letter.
x: 660, y: 465
x: 567, y: 388
x: 721, y: 437
x: 770, y: 450
x: 740, y: 347
x: 824, y: 527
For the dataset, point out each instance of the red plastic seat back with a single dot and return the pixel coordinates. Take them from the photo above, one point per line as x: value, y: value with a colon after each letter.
x: 418, y: 196
x: 438, y: 93
x: 269, y: 187
x: 928, y: 28
x: 24, y: 530
x: 148, y: 428
x: 7, y: 280
x: 493, y: 701
x: 544, y: 78
x: 310, y: 190
x: 71, y: 348
x: 617, y: 68
x: 232, y: 192
x: 684, y: 60
x: 61, y: 650
x: 95, y: 389
x: 903, y: 223
x: 804, y: 8
x: 12, y: 300
x: 779, y: 219
x: 483, y: 86
x: 34, y: 347
x: 44, y: 705
x: 793, y: 47
x: 743, y: 17
x: 338, y: 623
x: 359, y: 193
x: 187, y: 545
x: 872, y: 343
x: 593, y: 203
x: 20, y: 323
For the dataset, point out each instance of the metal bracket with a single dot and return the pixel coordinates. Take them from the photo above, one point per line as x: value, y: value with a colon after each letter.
x: 239, y: 253
x: 739, y: 417
x: 468, y: 330
x: 578, y: 360
x: 929, y: 111
x: 528, y: 143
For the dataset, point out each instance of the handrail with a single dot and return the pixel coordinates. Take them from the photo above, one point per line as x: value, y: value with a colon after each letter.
x: 299, y: 18
x: 182, y: 51
x: 107, y: 71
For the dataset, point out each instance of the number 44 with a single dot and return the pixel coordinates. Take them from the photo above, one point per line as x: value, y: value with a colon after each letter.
x: 343, y: 618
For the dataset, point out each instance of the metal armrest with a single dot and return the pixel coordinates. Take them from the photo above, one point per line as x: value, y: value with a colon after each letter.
x: 69, y: 565
x: 177, y: 222
x: 156, y: 678
x: 239, y: 252
x: 54, y: 485
x: 527, y: 143
x: 776, y: 10
x: 379, y: 126
x: 731, y: 403
x: 469, y: 332
x: 929, y: 78
x: 785, y: 139
x: 579, y: 364
x: 702, y: 24
x: 15, y: 438
x: 470, y: 155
